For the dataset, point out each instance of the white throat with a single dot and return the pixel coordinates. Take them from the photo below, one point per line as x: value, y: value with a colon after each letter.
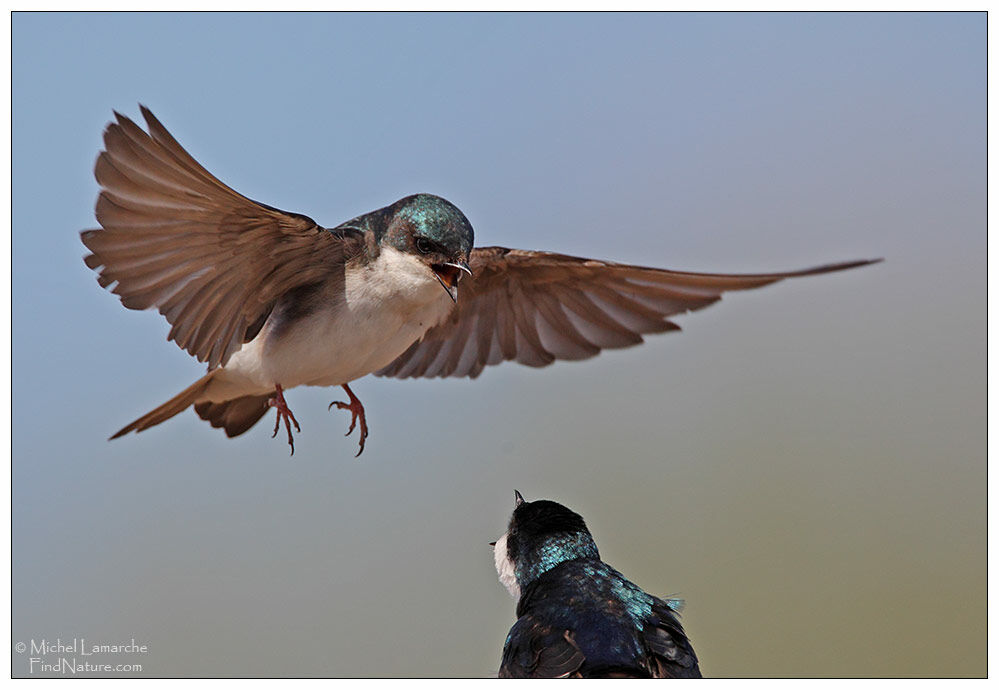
x: 505, y: 568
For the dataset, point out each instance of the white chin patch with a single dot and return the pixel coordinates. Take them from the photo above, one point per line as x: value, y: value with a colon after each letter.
x: 505, y: 568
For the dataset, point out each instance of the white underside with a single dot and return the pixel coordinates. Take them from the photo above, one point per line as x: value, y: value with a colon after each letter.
x: 505, y: 568
x: 383, y: 309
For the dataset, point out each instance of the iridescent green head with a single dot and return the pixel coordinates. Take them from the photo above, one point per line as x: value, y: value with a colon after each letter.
x: 427, y: 227
x: 434, y: 230
x: 436, y: 221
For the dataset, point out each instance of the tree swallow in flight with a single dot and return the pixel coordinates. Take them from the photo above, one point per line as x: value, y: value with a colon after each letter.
x: 577, y: 617
x: 272, y: 300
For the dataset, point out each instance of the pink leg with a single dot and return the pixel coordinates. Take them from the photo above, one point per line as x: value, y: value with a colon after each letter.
x: 357, y: 414
x: 283, y: 412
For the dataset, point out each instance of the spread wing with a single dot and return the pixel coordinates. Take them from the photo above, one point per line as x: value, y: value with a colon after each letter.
x: 536, y: 650
x: 212, y: 261
x: 669, y: 652
x: 536, y: 307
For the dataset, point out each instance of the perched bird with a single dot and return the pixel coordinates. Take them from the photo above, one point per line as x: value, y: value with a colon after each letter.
x: 272, y: 300
x: 577, y: 617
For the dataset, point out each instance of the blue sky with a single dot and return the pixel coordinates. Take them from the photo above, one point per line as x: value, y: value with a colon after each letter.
x: 811, y: 451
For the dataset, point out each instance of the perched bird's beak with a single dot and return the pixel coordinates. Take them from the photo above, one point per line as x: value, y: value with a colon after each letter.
x: 449, y: 274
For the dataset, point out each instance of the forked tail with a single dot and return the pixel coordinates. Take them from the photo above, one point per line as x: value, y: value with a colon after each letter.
x: 171, y: 407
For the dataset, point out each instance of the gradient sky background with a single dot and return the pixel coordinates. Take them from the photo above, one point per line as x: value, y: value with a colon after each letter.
x: 805, y: 464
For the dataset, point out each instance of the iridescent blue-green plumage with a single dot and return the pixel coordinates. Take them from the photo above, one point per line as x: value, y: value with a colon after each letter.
x: 558, y: 548
x: 428, y: 217
x: 578, y: 616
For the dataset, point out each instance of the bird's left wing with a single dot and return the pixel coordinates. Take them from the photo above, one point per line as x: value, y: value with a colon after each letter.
x: 536, y: 650
x: 537, y: 307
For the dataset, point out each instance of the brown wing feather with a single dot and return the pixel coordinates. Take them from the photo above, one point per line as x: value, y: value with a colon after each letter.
x: 174, y: 237
x: 537, y: 307
x: 670, y: 654
x: 536, y: 650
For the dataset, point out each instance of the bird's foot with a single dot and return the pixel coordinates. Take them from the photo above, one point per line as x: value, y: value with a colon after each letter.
x: 283, y: 412
x: 356, y: 415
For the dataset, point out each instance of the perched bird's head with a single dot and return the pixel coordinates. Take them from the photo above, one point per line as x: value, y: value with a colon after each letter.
x: 432, y: 229
x: 541, y: 535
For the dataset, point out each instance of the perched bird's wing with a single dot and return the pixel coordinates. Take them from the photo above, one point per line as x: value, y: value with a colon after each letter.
x: 211, y: 260
x: 536, y: 307
x: 669, y: 651
x: 536, y: 650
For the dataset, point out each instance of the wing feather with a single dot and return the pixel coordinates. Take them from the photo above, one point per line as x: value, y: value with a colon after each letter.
x: 536, y: 650
x: 537, y: 307
x: 668, y: 649
x: 212, y: 261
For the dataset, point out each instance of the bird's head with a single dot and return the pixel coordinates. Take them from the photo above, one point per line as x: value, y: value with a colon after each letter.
x: 433, y: 230
x: 541, y: 535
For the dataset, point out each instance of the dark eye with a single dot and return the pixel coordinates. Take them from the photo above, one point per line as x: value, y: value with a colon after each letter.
x: 424, y: 245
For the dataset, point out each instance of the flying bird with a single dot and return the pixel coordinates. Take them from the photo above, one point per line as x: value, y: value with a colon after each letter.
x: 577, y: 617
x: 272, y: 300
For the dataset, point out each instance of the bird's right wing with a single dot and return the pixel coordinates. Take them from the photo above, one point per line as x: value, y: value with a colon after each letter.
x: 536, y: 650
x: 538, y: 307
x: 212, y: 261
x: 669, y: 651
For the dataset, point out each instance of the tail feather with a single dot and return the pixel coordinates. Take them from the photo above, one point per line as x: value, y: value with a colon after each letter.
x: 235, y: 416
x: 171, y: 407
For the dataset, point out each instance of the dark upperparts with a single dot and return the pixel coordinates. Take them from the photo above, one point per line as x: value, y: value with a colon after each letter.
x: 617, y: 628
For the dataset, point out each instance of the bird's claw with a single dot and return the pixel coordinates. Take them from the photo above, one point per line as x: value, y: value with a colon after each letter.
x: 283, y: 412
x: 356, y: 415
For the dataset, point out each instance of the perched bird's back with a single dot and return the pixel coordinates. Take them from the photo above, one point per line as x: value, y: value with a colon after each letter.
x: 584, y: 619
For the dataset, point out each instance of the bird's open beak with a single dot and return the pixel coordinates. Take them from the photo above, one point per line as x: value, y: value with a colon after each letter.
x: 449, y: 274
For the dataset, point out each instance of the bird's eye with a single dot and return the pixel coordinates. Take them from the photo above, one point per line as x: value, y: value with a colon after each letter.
x: 424, y: 245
